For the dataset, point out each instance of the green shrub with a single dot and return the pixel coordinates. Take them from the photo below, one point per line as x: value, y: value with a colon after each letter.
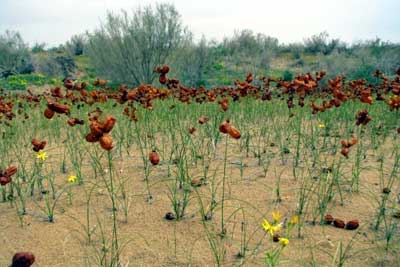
x: 287, y: 75
x: 21, y: 81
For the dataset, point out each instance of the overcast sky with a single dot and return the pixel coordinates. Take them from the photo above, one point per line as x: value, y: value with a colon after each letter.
x: 54, y: 21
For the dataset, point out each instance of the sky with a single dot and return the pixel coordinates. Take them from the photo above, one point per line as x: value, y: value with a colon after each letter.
x: 55, y: 21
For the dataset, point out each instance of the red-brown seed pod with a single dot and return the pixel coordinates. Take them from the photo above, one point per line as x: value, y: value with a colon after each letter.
x: 23, y: 259
x: 10, y: 171
x: 203, y: 120
x: 339, y: 223
x: 4, y: 180
x: 345, y: 152
x: 328, y: 219
x: 108, y: 124
x: 352, y: 225
x: 162, y: 79
x: 386, y: 190
x: 78, y: 121
x: 96, y: 128
x: 192, y: 130
x: 38, y: 145
x: 234, y: 133
x: 224, y: 127
x: 344, y: 143
x: 48, y: 113
x: 353, y: 141
x: 58, y: 108
x: 102, y: 82
x: 106, y: 142
x: 92, y: 138
x: 154, y: 158
x: 164, y: 69
x: 71, y: 122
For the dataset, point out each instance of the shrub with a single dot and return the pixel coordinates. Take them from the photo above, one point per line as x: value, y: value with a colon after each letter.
x: 287, y: 75
x: 76, y: 46
x: 54, y: 64
x: 14, y: 55
x: 128, y: 48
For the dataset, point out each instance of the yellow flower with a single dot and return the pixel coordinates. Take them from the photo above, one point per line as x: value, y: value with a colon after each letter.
x: 294, y: 220
x: 270, y: 228
x: 41, y: 155
x: 283, y: 241
x: 72, y: 179
x: 277, y: 216
x: 321, y: 126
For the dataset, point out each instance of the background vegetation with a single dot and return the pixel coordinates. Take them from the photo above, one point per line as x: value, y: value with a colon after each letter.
x: 128, y: 46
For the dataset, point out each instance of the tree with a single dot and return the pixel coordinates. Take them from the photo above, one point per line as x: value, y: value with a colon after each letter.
x: 319, y: 43
x: 76, y: 45
x: 14, y: 55
x: 191, y: 61
x: 128, y: 48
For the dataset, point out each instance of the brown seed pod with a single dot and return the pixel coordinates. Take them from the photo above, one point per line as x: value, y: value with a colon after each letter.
x: 224, y: 127
x: 5, y: 180
x: 192, y: 130
x: 38, y: 145
x: 352, y: 225
x: 386, y: 190
x: 338, y: 223
x: 10, y: 171
x: 162, y: 79
x: 23, y: 259
x: 96, y: 128
x: 106, y: 142
x: 154, y: 158
x: 353, y: 141
x: 344, y: 143
x: 234, y: 133
x: 169, y: 216
x: 48, y: 113
x: 92, y: 138
x: 71, y: 122
x: 58, y: 108
x: 108, y: 124
x: 276, y: 237
x: 203, y: 120
x: 328, y: 219
x: 345, y: 152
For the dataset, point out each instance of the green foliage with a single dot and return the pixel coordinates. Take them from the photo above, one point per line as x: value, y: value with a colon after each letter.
x: 287, y: 75
x: 127, y: 48
x: 38, y: 48
x: 319, y: 43
x: 54, y: 64
x: 14, y: 55
x: 76, y: 45
x: 21, y: 81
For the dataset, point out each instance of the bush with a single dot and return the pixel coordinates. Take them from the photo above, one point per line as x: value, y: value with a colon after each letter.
x: 38, y: 48
x: 14, y: 55
x: 128, y: 48
x: 76, y: 46
x: 287, y: 75
x: 54, y: 64
x: 21, y: 81
x: 319, y: 43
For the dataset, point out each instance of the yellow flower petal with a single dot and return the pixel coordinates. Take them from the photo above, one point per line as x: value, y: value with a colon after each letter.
x: 72, y: 179
x: 277, y: 216
x: 41, y: 155
x: 283, y: 241
x: 294, y: 220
